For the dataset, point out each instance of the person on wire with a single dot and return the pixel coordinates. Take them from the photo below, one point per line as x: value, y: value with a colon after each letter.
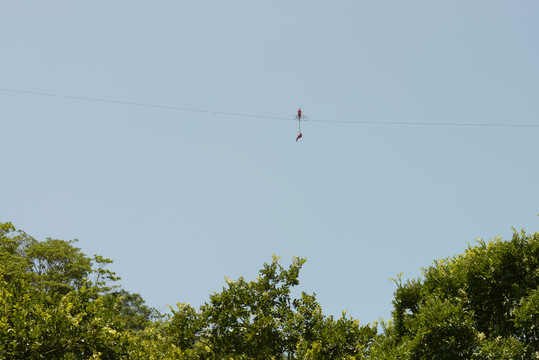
x: 299, y: 125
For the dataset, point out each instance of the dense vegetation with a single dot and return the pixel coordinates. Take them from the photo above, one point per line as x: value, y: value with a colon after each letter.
x: 58, y: 303
x: 483, y: 304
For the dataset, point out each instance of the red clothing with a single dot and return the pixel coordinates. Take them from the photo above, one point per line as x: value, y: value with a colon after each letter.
x: 299, y: 136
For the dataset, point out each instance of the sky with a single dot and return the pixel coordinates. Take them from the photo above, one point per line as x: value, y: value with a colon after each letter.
x: 399, y: 163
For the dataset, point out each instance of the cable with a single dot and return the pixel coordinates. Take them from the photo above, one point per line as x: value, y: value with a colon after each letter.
x: 425, y: 123
x: 140, y: 104
x: 261, y: 116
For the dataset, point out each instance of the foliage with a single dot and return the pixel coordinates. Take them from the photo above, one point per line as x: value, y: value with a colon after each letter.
x: 36, y: 324
x: 483, y: 304
x: 49, y: 309
x: 259, y: 320
x: 58, y: 303
x: 130, y: 310
x: 13, y: 247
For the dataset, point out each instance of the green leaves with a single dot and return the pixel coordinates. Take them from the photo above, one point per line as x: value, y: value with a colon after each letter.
x: 249, y: 318
x: 50, y: 310
x: 58, y: 303
x: 58, y: 266
x: 482, y: 304
x: 259, y: 320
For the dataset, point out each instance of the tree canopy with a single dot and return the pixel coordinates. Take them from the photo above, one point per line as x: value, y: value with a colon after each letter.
x: 259, y: 320
x: 58, y: 303
x: 482, y: 304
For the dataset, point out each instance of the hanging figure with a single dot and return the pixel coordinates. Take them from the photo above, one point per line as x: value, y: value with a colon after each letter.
x: 299, y: 117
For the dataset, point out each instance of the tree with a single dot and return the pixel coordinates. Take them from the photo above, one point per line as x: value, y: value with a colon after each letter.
x: 245, y: 320
x: 259, y: 320
x: 482, y: 304
x: 58, y: 303
x: 50, y: 309
x: 54, y: 265
x: 13, y: 248
x: 58, y: 265
x: 130, y: 310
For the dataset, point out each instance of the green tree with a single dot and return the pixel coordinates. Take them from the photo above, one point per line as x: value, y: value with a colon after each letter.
x: 58, y: 265
x: 54, y: 265
x: 50, y: 309
x: 130, y: 310
x: 259, y: 320
x: 246, y: 319
x: 482, y: 304
x: 13, y: 247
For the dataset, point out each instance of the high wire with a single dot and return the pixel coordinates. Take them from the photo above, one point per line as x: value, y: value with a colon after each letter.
x: 168, y: 107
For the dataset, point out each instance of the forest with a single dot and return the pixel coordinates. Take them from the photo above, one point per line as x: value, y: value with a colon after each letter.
x: 58, y: 303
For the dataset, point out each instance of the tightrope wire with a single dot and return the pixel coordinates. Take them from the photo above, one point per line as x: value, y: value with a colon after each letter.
x: 168, y: 107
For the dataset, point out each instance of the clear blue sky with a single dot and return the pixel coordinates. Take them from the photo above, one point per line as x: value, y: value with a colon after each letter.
x: 180, y: 199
